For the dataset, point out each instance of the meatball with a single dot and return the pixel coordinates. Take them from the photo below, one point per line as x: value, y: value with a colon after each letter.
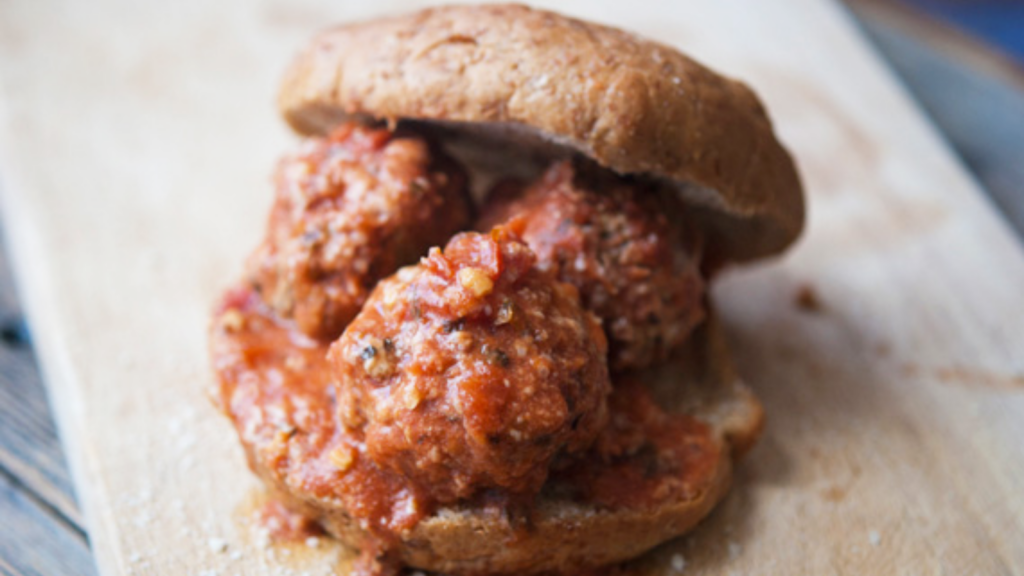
x: 349, y: 210
x: 623, y: 245
x: 473, y: 370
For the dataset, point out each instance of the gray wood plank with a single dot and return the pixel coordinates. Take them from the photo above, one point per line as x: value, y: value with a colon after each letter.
x: 41, y: 527
x: 29, y: 448
x: 35, y: 540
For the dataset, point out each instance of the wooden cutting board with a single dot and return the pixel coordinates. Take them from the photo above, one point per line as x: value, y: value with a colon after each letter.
x: 137, y: 140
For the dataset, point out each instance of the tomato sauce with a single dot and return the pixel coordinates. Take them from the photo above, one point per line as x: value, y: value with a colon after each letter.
x: 275, y: 384
x: 645, y: 456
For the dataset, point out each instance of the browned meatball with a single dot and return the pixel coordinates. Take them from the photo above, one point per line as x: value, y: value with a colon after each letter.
x: 622, y: 245
x: 349, y: 210
x: 473, y: 370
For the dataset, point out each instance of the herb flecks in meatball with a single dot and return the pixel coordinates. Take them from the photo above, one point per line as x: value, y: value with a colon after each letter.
x: 473, y: 370
x: 349, y: 210
x: 626, y: 248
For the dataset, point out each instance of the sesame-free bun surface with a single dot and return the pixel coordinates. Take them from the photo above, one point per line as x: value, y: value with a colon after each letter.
x: 632, y: 105
x: 566, y: 535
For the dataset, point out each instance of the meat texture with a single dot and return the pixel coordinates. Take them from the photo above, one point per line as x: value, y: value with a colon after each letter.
x: 624, y: 245
x: 349, y: 210
x: 473, y: 370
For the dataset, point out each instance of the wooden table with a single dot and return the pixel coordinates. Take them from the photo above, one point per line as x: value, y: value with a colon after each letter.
x: 975, y: 99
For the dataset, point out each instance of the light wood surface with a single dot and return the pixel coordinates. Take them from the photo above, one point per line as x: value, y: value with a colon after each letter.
x: 41, y: 525
x: 137, y: 141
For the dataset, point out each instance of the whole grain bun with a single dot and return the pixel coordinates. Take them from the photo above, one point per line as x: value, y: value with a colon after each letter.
x: 632, y: 105
x: 567, y: 536
x: 508, y: 88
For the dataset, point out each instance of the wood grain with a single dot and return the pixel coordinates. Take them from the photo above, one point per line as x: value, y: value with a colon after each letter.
x: 139, y: 140
x: 30, y: 526
x: 28, y: 451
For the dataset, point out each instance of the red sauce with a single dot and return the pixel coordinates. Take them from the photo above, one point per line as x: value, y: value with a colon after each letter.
x: 644, y: 456
x: 275, y: 384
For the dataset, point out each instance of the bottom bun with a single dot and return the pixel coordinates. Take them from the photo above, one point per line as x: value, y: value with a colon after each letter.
x: 565, y: 535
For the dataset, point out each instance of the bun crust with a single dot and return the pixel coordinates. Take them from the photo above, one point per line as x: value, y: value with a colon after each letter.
x: 566, y: 535
x: 632, y: 105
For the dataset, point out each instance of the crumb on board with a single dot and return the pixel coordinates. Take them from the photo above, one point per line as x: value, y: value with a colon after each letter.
x: 874, y: 538
x: 807, y: 299
x: 217, y: 545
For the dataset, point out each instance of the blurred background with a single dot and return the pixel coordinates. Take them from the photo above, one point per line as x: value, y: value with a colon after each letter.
x: 998, y: 22
x: 962, y: 60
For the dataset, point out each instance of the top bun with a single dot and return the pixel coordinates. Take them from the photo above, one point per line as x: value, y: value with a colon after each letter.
x: 632, y: 105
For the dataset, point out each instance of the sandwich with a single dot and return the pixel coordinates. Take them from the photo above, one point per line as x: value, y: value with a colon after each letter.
x: 477, y: 336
